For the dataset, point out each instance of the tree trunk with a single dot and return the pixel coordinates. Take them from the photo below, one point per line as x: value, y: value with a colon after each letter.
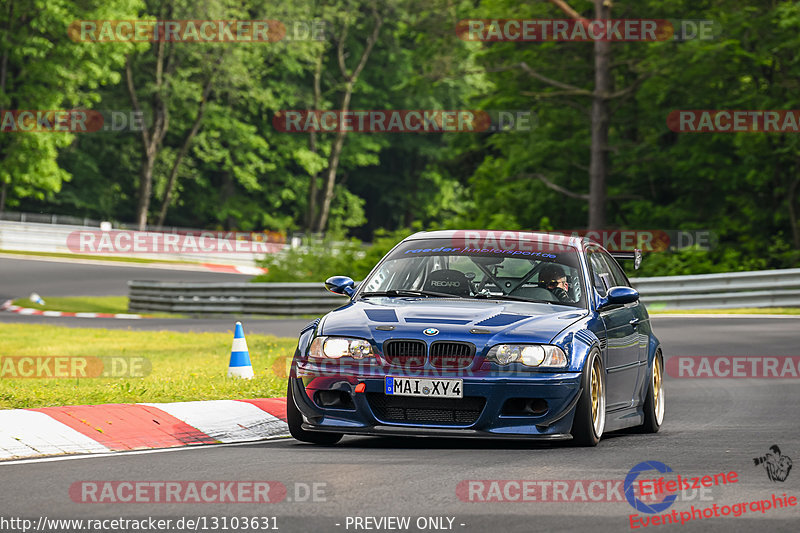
x: 598, y: 165
x: 313, y: 188
x: 187, y: 142
x: 351, y: 79
x: 151, y: 140
x: 792, y: 196
x: 601, y: 114
x: 3, y: 197
x: 333, y: 164
x: 145, y: 189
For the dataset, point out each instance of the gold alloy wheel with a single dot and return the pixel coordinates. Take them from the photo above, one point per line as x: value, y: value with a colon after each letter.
x: 598, y: 398
x: 658, y: 389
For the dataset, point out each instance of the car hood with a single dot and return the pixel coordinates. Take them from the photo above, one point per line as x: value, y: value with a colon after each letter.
x: 479, y: 321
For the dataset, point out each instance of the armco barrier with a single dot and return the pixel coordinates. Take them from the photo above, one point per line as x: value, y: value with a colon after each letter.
x: 763, y: 288
x: 239, y: 298
x: 767, y: 288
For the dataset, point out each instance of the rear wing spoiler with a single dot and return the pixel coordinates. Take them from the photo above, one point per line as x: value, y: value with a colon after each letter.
x: 634, y: 255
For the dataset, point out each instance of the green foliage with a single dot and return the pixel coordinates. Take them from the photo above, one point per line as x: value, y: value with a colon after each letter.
x: 43, y: 69
x: 694, y: 260
x: 314, y: 260
x: 241, y: 172
x: 317, y: 260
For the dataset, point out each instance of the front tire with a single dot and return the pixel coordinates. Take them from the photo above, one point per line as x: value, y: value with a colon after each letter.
x: 590, y: 412
x: 294, y: 419
x: 654, y: 402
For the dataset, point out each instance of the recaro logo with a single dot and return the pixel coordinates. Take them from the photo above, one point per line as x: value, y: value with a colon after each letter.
x: 445, y: 283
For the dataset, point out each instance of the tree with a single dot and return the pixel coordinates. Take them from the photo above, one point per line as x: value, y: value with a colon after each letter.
x: 350, y: 77
x: 41, y: 68
x: 165, y: 72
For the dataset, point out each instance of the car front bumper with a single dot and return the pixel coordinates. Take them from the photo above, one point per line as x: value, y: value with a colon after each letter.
x: 483, y: 412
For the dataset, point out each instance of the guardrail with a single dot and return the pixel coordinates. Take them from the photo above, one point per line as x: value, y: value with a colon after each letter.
x: 238, y: 298
x: 767, y: 288
x: 763, y: 288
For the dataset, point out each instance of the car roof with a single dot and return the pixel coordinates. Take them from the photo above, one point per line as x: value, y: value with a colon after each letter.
x: 497, y: 234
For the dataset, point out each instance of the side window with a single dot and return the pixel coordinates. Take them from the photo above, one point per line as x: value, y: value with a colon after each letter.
x: 620, y: 279
x: 602, y: 278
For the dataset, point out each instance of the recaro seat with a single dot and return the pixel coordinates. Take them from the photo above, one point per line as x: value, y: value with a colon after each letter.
x: 448, y: 281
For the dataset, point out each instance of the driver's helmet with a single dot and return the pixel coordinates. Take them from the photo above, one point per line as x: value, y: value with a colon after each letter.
x: 550, y: 274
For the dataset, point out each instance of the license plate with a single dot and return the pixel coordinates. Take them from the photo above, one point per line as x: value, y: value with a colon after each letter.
x: 431, y: 388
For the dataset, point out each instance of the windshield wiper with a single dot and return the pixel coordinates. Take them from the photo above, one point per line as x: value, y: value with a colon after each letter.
x: 509, y: 297
x: 409, y: 292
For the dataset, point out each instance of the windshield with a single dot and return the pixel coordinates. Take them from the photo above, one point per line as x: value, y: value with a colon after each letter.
x: 533, y: 271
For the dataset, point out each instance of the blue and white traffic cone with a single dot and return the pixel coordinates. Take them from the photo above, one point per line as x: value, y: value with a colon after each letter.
x: 240, y: 365
x: 35, y: 298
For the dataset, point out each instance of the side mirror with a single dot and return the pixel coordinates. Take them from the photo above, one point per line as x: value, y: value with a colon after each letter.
x: 619, y: 296
x: 340, y: 285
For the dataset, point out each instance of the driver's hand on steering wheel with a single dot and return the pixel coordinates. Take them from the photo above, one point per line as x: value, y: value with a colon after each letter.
x: 559, y: 289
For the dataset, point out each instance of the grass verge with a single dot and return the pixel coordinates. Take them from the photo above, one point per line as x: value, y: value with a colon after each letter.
x: 737, y: 311
x: 185, y: 366
x: 86, y: 304
x: 79, y: 304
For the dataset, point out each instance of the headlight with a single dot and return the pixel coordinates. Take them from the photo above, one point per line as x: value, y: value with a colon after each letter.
x: 336, y: 347
x: 541, y: 355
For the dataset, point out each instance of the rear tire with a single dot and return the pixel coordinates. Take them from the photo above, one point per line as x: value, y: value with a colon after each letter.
x: 590, y: 412
x: 294, y: 419
x: 654, y: 401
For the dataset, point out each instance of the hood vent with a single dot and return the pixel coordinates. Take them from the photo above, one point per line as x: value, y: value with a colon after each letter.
x: 381, y: 315
x: 433, y: 320
x: 501, y: 320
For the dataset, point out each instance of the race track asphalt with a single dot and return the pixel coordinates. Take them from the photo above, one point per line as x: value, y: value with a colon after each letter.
x: 712, y: 426
x: 55, y: 277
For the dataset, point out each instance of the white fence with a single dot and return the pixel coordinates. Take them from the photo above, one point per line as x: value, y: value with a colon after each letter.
x: 62, y: 238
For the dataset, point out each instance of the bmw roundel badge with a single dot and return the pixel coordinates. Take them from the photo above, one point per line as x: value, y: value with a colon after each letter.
x: 430, y: 331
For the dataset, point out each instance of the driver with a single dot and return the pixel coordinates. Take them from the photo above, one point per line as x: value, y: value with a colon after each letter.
x: 553, y: 278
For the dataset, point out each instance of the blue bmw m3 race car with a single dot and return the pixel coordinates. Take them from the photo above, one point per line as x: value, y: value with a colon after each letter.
x: 482, y: 334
